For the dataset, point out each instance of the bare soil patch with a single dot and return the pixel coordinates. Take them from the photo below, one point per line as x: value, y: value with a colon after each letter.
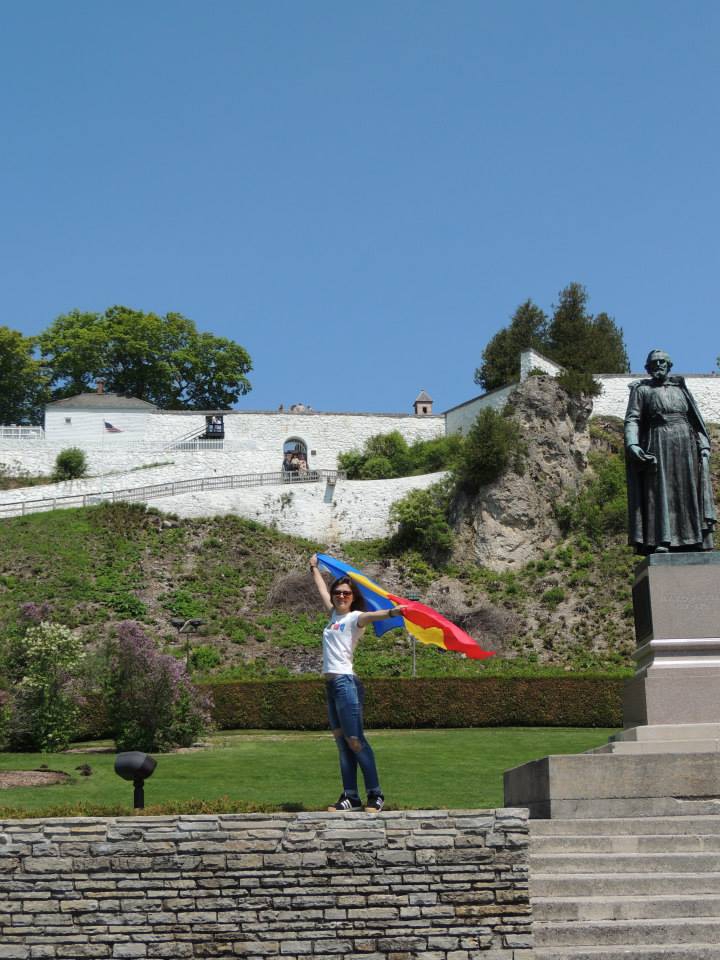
x: 30, y: 778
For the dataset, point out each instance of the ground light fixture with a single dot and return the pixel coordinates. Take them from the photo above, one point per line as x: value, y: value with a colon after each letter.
x: 136, y: 766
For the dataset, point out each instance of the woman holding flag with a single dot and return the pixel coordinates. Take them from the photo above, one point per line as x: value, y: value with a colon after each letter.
x: 344, y: 691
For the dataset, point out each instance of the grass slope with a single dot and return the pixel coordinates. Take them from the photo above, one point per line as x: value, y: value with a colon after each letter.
x: 570, y: 609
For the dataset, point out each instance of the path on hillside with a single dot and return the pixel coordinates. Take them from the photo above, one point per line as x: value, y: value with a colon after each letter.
x: 172, y: 488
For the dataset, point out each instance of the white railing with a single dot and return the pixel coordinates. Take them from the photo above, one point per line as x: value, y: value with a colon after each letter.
x: 172, y: 489
x: 21, y: 433
x: 199, y: 444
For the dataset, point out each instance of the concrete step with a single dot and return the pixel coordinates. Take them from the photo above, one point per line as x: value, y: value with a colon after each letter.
x: 622, y: 826
x: 642, y: 748
x: 544, y: 885
x: 656, y: 907
x: 639, y: 863
x: 657, y: 843
x: 626, y: 933
x: 685, y: 951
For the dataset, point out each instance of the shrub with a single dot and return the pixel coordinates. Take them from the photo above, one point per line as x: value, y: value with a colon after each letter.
x: 421, y: 517
x: 578, y: 383
x: 387, y: 455
x: 599, y: 509
x: 205, y: 657
x: 493, y: 444
x: 46, y: 704
x: 151, y: 702
x: 70, y: 464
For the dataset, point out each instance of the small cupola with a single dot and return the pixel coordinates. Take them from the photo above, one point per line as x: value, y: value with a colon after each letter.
x: 423, y: 404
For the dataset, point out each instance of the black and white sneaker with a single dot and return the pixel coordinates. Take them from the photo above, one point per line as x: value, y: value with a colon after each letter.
x: 346, y: 803
x: 375, y: 803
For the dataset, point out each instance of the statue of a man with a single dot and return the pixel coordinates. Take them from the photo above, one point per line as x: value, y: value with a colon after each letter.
x: 670, y: 501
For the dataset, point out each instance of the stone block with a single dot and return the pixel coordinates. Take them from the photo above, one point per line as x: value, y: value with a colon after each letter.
x: 676, y: 601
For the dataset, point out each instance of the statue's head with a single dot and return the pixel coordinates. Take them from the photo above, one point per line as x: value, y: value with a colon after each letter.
x: 658, y: 363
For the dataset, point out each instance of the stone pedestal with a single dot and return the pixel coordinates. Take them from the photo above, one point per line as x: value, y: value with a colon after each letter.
x: 676, y: 600
x: 667, y: 759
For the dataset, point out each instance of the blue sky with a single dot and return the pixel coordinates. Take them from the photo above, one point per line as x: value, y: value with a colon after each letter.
x: 362, y: 193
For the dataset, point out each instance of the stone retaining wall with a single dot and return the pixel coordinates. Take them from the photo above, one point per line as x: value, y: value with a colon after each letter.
x: 432, y: 885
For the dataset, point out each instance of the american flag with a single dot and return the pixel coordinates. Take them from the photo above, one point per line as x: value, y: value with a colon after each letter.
x: 109, y: 428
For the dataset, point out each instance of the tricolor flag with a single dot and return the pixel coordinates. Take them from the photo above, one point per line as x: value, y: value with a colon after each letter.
x: 109, y: 428
x: 421, y: 622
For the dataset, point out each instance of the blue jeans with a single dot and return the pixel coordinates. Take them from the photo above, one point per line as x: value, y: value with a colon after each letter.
x: 345, y: 701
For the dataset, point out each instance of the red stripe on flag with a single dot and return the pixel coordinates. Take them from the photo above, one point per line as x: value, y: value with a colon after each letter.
x: 453, y: 637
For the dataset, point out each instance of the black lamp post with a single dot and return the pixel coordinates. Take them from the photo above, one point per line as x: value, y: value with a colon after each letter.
x: 136, y: 766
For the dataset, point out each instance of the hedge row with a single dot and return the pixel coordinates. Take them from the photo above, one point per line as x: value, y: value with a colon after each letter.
x: 447, y: 702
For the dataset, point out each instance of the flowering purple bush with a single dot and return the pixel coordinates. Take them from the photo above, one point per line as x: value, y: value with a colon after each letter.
x: 151, y: 701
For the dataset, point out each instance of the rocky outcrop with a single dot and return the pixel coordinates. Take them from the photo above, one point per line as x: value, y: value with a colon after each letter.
x: 511, y: 521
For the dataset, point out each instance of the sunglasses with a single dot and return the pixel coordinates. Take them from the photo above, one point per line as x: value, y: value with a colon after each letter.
x: 342, y: 593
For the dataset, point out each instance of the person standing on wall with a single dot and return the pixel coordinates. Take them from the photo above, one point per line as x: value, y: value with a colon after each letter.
x: 344, y: 691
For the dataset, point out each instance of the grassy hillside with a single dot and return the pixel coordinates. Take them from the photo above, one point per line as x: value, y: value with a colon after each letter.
x: 570, y: 609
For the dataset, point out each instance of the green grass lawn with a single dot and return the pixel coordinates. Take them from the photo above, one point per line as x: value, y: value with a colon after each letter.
x: 298, y: 770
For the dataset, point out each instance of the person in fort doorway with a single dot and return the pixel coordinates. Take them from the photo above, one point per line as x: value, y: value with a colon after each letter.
x: 670, y: 501
x: 344, y: 691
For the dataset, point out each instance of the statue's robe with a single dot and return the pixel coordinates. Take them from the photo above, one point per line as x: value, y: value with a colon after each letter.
x: 670, y: 502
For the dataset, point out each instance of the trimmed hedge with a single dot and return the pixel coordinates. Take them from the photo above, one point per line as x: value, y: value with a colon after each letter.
x: 446, y: 702
x: 438, y: 702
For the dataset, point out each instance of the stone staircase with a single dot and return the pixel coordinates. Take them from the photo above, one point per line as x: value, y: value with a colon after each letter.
x: 646, y: 888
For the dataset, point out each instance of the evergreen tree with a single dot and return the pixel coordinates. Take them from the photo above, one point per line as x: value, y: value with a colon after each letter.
x: 573, y: 338
x: 501, y: 357
x: 579, y: 341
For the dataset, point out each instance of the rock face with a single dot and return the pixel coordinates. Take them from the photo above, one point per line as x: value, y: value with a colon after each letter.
x: 511, y: 521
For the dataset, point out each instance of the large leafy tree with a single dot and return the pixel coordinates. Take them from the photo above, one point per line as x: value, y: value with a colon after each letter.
x: 162, y: 359
x: 572, y: 337
x: 501, y: 357
x: 24, y: 387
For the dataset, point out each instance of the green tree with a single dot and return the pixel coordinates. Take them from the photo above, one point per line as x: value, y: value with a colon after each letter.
x: 501, y: 357
x: 24, y: 386
x: 162, y: 359
x: 573, y: 338
x: 493, y: 444
x: 579, y: 341
x: 421, y: 516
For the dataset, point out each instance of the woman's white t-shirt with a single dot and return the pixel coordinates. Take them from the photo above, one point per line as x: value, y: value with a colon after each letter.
x: 340, y: 637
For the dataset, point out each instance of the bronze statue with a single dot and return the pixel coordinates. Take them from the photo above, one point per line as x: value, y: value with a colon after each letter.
x: 670, y: 501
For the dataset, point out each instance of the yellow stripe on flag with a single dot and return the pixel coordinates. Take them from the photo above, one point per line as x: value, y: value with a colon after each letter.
x: 373, y: 587
x: 432, y: 635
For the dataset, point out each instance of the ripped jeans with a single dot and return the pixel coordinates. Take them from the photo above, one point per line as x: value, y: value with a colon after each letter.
x: 345, y: 699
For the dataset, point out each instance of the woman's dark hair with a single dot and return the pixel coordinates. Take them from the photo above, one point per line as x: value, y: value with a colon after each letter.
x: 358, y: 602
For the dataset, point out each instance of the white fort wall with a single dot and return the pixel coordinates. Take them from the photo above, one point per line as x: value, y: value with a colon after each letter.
x: 253, y: 441
x: 330, y: 513
x: 616, y: 389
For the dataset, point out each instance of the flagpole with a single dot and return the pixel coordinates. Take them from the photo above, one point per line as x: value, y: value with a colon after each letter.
x: 415, y: 597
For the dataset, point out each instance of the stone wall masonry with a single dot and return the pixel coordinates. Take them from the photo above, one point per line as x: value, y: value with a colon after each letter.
x: 347, y: 510
x: 330, y: 513
x: 615, y: 392
x: 253, y: 442
x: 431, y: 885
